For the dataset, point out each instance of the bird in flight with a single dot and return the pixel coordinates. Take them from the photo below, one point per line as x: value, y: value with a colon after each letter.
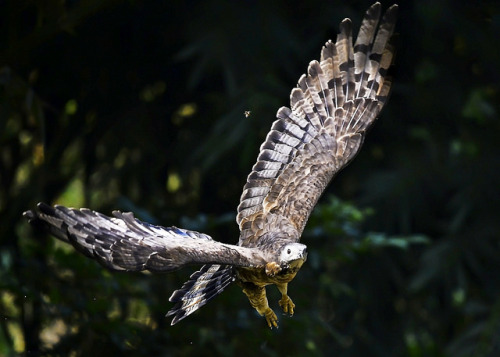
x: 330, y: 111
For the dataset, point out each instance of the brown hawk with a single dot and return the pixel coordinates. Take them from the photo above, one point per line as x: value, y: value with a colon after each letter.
x: 321, y: 132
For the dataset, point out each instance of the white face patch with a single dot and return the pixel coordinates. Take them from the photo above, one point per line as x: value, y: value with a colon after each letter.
x: 293, y: 251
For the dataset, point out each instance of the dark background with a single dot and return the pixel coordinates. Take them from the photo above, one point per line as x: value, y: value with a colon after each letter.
x: 139, y: 106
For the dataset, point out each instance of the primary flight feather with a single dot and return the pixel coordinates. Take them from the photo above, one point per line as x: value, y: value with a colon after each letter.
x: 330, y: 110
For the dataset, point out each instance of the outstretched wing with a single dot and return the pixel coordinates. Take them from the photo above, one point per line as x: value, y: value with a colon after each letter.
x: 331, y: 109
x: 123, y: 242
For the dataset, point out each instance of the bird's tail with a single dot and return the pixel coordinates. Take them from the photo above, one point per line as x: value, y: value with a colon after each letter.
x: 202, y: 286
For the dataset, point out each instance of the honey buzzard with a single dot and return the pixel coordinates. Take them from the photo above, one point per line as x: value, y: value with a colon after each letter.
x: 330, y: 111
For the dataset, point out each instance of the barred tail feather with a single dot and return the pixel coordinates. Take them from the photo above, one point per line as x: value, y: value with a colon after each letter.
x: 202, y: 286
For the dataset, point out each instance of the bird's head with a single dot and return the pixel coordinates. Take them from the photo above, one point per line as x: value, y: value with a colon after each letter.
x: 293, y: 254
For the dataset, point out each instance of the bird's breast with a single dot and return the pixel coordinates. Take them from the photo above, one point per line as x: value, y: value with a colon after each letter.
x: 259, y: 277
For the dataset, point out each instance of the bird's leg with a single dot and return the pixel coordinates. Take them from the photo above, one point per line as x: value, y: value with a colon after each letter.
x: 258, y: 299
x: 285, y: 302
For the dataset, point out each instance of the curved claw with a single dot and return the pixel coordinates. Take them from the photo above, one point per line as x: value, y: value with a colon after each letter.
x: 271, y: 318
x: 287, y: 305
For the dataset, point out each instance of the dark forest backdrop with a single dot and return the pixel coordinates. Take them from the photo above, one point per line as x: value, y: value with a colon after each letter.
x: 139, y: 106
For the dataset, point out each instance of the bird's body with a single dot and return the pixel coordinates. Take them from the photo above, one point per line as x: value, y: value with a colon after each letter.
x: 321, y: 132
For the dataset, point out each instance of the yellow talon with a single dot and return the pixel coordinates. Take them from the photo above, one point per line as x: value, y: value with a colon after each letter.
x: 287, y: 305
x: 271, y: 318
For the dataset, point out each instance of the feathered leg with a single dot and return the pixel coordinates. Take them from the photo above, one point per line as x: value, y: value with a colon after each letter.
x: 258, y: 299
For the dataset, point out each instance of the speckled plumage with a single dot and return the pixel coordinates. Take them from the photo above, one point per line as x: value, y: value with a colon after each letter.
x: 330, y: 110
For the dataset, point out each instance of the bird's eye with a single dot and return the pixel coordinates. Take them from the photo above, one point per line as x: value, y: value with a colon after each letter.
x: 289, y: 251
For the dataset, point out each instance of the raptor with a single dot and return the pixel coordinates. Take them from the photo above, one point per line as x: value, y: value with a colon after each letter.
x: 330, y: 111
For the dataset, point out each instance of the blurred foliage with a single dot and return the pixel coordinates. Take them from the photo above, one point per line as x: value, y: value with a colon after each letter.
x: 139, y: 106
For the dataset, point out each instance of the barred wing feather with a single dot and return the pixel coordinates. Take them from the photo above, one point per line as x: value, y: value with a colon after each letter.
x: 125, y: 243
x: 331, y: 109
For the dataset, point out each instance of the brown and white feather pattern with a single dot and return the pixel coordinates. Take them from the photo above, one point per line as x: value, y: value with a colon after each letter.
x: 202, y: 286
x: 125, y: 243
x: 331, y: 109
